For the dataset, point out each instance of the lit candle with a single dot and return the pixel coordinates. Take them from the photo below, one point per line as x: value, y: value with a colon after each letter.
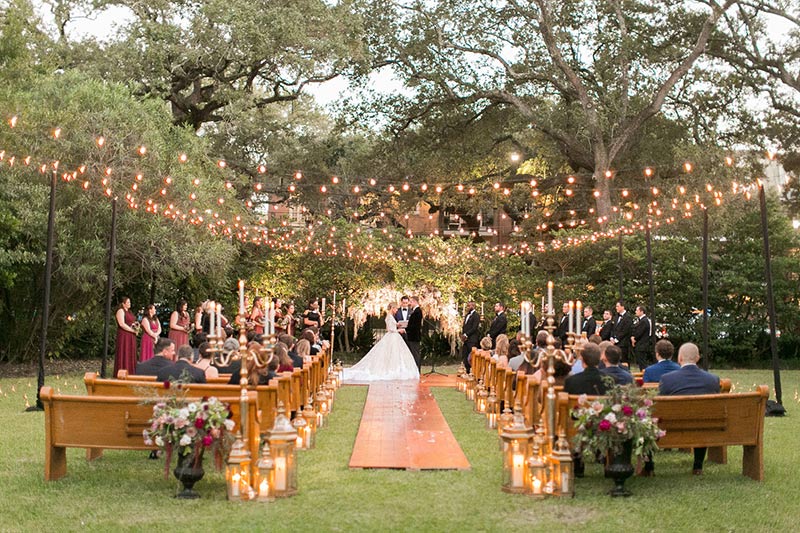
x: 235, y: 485
x: 537, y: 485
x: 241, y: 296
x: 516, y: 470
x: 263, y: 488
x: 570, y: 316
x: 211, y: 321
x: 280, y: 473
x: 549, y: 296
x: 578, y: 317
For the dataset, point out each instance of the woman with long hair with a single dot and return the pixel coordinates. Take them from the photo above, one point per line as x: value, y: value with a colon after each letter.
x: 179, y: 326
x: 127, y: 328
x: 152, y: 330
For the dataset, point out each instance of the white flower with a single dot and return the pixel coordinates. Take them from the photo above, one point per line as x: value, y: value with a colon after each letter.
x: 229, y: 424
x: 159, y: 441
x: 185, y: 440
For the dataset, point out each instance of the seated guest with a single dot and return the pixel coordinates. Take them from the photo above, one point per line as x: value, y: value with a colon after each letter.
x: 612, y: 358
x: 182, y: 370
x: 163, y: 355
x: 690, y: 379
x: 204, y: 363
x: 501, y: 350
x: 289, y: 341
x: 664, y: 364
x: 284, y: 361
x: 591, y: 380
x: 303, y: 349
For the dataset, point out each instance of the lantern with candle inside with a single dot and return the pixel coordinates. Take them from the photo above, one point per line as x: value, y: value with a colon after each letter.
x: 562, y: 468
x: 237, y: 471
x: 537, y: 472
x: 264, y: 475
x: 517, y: 445
x: 491, y: 411
x: 481, y: 400
x: 282, y: 447
x: 311, y: 429
x: 300, y: 426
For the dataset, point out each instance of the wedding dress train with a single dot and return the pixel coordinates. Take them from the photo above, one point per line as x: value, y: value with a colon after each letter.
x: 389, y: 359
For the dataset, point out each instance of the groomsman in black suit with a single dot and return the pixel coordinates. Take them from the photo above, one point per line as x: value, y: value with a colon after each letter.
x: 470, y: 334
x: 414, y: 331
x: 621, y: 333
x: 589, y: 325
x: 499, y: 324
x: 563, y: 326
x: 642, y: 333
x: 608, y: 326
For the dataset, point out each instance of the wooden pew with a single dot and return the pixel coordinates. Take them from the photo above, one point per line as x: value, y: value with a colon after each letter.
x: 99, y: 422
x: 714, y: 421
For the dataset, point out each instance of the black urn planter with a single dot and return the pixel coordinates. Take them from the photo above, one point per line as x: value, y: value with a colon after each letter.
x: 189, y: 471
x: 619, y: 468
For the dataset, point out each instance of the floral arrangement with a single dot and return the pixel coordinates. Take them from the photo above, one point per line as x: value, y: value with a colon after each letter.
x: 190, y: 428
x: 624, y: 414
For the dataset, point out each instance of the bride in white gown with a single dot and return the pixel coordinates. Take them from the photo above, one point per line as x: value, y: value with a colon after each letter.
x: 389, y: 359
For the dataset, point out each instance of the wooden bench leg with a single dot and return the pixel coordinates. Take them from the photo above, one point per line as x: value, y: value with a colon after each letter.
x: 93, y: 453
x: 753, y: 462
x: 55, y: 463
x: 718, y: 454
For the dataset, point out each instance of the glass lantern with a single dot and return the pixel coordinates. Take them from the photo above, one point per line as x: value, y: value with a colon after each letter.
x: 282, y: 441
x: 537, y: 472
x: 491, y: 411
x: 517, y: 445
x: 237, y: 471
x: 563, y: 471
x: 300, y: 426
x: 311, y: 429
x: 264, y: 475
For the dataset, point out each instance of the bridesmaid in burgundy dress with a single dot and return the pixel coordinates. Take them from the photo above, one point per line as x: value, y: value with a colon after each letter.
x: 152, y: 330
x: 127, y: 327
x: 179, y: 324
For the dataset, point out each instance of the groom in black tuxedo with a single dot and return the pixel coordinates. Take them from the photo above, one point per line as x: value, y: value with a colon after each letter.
x: 414, y: 331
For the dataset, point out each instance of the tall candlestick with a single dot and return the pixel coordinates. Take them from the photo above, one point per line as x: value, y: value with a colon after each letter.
x: 578, y: 317
x: 549, y: 296
x: 241, y: 296
x: 570, y: 316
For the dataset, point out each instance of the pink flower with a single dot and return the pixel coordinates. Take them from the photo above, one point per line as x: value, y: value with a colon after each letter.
x: 207, y: 440
x: 604, y: 425
x: 627, y: 410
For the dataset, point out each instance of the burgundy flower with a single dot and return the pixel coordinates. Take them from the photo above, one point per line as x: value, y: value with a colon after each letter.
x: 604, y: 425
x: 207, y: 440
x: 627, y: 410
x: 199, y: 423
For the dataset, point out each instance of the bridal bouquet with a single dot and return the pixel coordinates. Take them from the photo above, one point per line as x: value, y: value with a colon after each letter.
x: 190, y: 428
x: 606, y: 423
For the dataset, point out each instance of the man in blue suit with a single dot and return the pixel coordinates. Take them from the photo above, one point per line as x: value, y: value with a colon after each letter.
x: 664, y: 352
x: 690, y: 379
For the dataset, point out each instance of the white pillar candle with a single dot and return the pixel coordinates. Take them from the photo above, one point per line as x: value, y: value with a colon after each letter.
x: 280, y: 473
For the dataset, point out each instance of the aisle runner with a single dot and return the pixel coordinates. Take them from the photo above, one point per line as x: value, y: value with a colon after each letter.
x: 402, y: 427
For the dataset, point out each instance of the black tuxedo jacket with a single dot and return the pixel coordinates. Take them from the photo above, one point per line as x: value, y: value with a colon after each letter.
x: 470, y: 328
x: 589, y: 326
x: 623, y: 327
x: 499, y: 325
x: 177, y: 371
x: 606, y: 330
x: 414, y: 328
x: 641, y: 334
x: 590, y: 381
x: 151, y: 367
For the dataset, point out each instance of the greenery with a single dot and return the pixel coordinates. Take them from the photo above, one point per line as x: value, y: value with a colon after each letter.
x: 124, y: 491
x: 622, y: 415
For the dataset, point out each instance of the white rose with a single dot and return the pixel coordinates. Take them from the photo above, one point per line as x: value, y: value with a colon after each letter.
x: 229, y: 424
x: 185, y: 440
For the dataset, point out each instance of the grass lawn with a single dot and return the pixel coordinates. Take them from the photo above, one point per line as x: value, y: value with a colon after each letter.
x: 126, y: 491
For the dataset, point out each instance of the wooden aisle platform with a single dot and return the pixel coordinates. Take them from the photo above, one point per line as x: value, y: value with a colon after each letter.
x: 402, y: 427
